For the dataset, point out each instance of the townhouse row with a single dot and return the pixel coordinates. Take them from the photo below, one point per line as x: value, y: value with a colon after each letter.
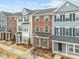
x: 55, y: 29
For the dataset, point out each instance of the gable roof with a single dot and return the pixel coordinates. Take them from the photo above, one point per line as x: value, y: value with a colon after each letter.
x: 12, y: 14
x: 6, y: 13
x: 45, y: 11
x: 67, y: 7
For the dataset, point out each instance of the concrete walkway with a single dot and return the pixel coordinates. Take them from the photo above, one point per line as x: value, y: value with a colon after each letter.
x: 26, y: 54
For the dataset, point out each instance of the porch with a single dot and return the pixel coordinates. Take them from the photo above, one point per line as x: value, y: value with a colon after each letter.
x: 65, y: 49
x: 42, y: 40
x: 7, y: 36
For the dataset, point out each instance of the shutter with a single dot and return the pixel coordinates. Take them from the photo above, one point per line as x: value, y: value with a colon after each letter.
x: 55, y: 18
x: 73, y: 31
x: 73, y: 17
x: 63, y: 17
x: 55, y: 31
x: 70, y: 31
x: 70, y: 17
x: 63, y: 31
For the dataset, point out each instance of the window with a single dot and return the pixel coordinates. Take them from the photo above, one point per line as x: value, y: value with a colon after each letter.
x: 3, y: 25
x: 46, y: 29
x: 37, y: 18
x: 15, y: 18
x: 20, y: 19
x: 44, y: 42
x: 77, y: 17
x: 26, y: 18
x: 37, y: 29
x: 55, y: 18
x: 73, y: 17
x: 77, y: 31
x: 36, y: 41
x: 70, y: 17
x: 67, y: 18
x: 58, y: 18
x: 46, y: 18
x: 76, y: 49
x: 20, y: 28
x: 58, y: 31
x: 63, y: 17
x: 70, y: 48
x: 66, y: 31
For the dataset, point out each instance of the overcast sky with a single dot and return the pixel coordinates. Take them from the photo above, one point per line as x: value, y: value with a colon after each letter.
x: 18, y: 5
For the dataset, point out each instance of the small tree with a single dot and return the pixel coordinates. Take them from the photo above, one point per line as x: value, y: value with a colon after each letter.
x: 33, y: 52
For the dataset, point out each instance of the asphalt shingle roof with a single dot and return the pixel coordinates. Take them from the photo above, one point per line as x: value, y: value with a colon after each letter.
x: 12, y: 14
x: 44, y: 11
x: 42, y: 34
x: 66, y: 39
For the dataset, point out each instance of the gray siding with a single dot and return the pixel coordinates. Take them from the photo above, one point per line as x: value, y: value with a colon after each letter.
x: 67, y: 7
x: 3, y: 21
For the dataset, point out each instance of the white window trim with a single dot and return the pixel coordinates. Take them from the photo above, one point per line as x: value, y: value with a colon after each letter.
x: 75, y: 31
x: 72, y: 48
x: 36, y: 28
x: 36, y: 18
x: 65, y: 32
x: 45, y: 18
x: 48, y: 28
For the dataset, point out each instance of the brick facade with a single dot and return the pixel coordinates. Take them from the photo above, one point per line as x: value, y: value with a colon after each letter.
x: 11, y: 23
x: 42, y: 23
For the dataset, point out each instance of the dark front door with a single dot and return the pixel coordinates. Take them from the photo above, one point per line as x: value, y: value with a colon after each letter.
x: 59, y: 46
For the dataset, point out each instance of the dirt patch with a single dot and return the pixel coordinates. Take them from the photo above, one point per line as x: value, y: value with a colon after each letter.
x: 9, y: 55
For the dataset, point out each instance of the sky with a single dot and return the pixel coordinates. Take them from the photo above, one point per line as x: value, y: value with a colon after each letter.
x: 18, y: 5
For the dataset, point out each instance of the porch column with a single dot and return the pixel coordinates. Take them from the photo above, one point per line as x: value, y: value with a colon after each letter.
x: 48, y: 44
x: 8, y: 36
x: 66, y: 49
x: 39, y: 42
x: 0, y: 36
x: 52, y: 46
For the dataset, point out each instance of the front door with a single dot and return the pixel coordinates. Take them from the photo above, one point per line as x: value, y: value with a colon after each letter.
x: 59, y: 46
